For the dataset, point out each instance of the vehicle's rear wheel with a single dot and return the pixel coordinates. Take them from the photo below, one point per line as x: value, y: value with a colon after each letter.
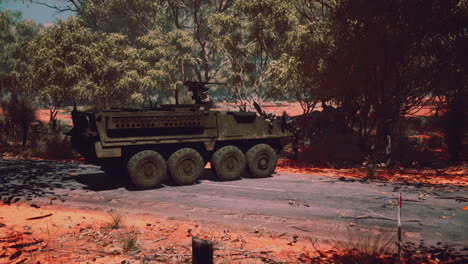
x: 185, y: 166
x: 228, y: 163
x: 146, y: 169
x: 261, y: 160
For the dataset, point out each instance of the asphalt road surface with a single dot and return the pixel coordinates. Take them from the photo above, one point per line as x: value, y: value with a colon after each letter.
x: 314, y: 206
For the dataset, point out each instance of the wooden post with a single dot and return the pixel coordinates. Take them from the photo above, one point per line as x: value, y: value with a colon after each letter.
x: 400, y: 204
x: 202, y: 251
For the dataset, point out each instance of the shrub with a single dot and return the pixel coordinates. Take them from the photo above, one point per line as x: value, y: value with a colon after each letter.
x: 130, y: 242
x: 436, y: 142
x: 363, y: 247
x: 19, y: 113
x: 334, y: 148
x: 54, y: 144
x: 416, y: 150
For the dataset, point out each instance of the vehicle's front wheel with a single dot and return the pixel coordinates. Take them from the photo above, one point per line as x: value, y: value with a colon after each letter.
x: 261, y: 160
x: 185, y: 166
x: 228, y: 163
x: 146, y: 169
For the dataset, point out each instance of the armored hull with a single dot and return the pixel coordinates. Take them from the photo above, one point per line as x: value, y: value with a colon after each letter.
x: 177, y: 140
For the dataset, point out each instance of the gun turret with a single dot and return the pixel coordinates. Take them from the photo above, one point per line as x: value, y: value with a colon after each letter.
x: 199, y: 91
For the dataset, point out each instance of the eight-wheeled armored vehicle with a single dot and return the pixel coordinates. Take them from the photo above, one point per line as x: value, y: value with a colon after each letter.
x: 147, y: 144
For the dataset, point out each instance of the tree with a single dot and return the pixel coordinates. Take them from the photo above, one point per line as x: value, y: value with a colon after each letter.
x: 15, y: 34
x: 193, y: 16
x: 70, y: 61
x: 299, y: 71
x: 57, y: 62
x: 250, y: 36
x: 451, y: 78
x: 168, y: 58
x: 114, y: 76
x: 15, y: 85
x: 382, y: 62
x: 132, y: 19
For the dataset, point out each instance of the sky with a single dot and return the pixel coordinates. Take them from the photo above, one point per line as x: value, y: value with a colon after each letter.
x: 38, y: 13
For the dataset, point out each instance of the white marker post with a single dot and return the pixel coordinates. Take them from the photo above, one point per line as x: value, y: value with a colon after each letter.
x: 400, y: 204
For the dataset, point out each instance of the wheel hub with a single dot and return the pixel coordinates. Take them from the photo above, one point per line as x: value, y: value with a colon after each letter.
x: 231, y: 163
x: 263, y: 162
x: 187, y: 166
x: 149, y: 169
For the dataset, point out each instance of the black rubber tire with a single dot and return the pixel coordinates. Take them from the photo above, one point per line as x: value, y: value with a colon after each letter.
x: 185, y: 166
x: 146, y: 169
x: 228, y: 163
x: 261, y: 160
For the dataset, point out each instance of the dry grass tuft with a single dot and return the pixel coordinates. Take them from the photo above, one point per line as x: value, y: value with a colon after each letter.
x: 130, y: 242
x: 117, y: 219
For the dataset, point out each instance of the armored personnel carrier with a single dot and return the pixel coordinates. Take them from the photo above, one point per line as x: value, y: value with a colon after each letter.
x: 178, y: 140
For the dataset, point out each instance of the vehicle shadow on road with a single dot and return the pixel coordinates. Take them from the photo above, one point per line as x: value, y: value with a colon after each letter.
x: 102, y: 182
x: 28, y: 179
x: 206, y: 175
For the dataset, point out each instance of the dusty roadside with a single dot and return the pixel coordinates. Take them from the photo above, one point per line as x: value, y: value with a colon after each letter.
x: 32, y: 233
x: 451, y: 175
x: 61, y: 234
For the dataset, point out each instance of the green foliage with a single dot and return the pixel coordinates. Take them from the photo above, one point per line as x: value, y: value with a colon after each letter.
x: 300, y: 70
x: 58, y: 60
x: 14, y: 62
x: 166, y: 57
x: 114, y: 75
x: 132, y: 19
x: 250, y: 38
x: 71, y: 61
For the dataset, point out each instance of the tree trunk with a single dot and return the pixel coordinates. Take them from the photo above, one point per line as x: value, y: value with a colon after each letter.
x: 52, y: 121
x: 455, y: 127
x: 24, y: 126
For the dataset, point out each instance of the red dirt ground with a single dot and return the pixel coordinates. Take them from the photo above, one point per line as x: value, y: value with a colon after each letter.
x: 44, y: 116
x: 453, y: 175
x: 59, y: 235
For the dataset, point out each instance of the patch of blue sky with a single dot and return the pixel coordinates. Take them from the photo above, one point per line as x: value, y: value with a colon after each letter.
x: 39, y: 13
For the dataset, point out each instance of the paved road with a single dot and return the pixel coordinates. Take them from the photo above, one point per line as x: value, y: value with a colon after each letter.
x: 319, y: 207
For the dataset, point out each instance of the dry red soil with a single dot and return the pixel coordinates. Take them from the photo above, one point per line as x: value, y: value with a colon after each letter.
x: 453, y: 175
x: 60, y: 235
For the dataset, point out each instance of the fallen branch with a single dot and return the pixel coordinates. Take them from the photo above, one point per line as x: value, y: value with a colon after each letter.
x: 156, y: 240
x: 461, y: 198
x: 39, y: 217
x: 388, y: 218
x: 370, y: 216
x: 260, y: 251
x: 173, y: 255
x: 300, y: 229
x: 134, y: 252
